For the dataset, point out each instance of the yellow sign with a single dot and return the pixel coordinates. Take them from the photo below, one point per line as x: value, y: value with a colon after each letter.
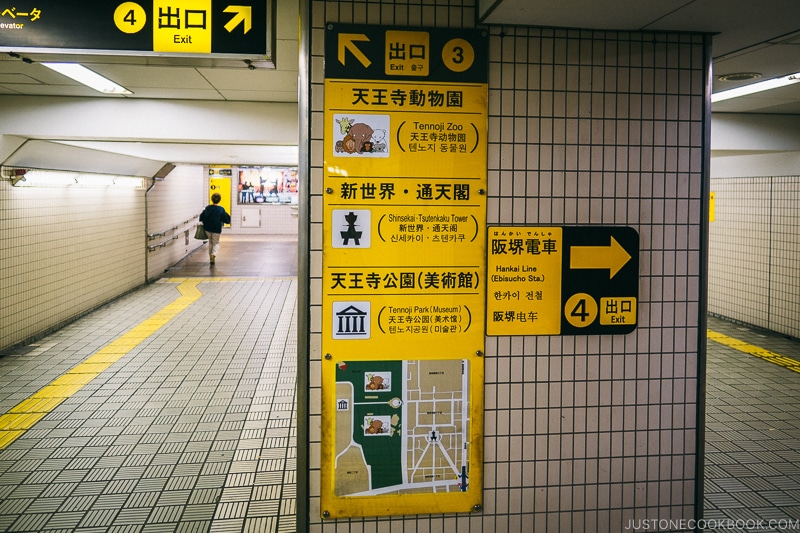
x: 524, y: 273
x: 399, y: 436
x: 589, y: 257
x: 185, y: 28
x: 403, y: 288
x: 159, y: 27
x: 388, y: 235
x: 712, y: 207
x: 242, y: 15
x: 614, y: 311
x: 130, y: 17
x: 458, y: 55
x: 431, y: 126
x: 407, y: 52
x: 568, y: 280
x: 349, y: 42
x: 223, y: 187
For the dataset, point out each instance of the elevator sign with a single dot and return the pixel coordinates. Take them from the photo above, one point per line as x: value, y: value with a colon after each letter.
x: 164, y: 27
x: 552, y: 280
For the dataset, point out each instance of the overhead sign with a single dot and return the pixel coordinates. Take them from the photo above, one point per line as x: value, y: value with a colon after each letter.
x: 377, y: 53
x: 164, y: 27
x: 571, y: 280
x: 403, y: 288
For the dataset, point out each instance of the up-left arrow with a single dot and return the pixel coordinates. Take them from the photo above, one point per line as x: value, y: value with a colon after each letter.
x: 347, y: 41
x: 242, y: 15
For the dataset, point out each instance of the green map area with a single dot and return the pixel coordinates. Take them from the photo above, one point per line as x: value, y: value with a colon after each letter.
x: 401, y: 427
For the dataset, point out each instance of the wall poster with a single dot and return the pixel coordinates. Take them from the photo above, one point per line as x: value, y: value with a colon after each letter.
x: 270, y: 185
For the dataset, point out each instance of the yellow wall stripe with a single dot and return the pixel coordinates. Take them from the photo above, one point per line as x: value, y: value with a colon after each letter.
x: 28, y: 412
x: 756, y: 351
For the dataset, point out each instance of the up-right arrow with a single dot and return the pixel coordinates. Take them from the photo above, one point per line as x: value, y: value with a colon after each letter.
x: 242, y: 15
x: 613, y: 257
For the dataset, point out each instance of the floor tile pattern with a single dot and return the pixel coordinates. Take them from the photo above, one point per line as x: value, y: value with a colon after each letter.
x: 752, y: 459
x: 194, y: 430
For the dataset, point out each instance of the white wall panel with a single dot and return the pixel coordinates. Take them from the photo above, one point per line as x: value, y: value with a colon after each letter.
x: 173, y: 208
x: 65, y: 251
x: 754, y: 250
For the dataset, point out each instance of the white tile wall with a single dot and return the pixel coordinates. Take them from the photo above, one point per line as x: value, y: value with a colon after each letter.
x: 581, y: 433
x: 65, y: 251
x: 754, y: 250
x: 173, y: 207
x: 275, y: 219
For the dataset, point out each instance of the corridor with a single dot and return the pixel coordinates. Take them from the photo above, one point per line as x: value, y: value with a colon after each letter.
x: 173, y: 409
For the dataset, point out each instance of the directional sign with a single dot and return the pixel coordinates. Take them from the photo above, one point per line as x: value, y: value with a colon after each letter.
x: 163, y: 27
x: 348, y: 42
x: 562, y: 280
x: 379, y: 53
x: 612, y: 257
x: 404, y: 211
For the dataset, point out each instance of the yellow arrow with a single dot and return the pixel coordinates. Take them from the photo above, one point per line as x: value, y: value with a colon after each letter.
x: 243, y: 14
x: 347, y: 41
x: 613, y: 257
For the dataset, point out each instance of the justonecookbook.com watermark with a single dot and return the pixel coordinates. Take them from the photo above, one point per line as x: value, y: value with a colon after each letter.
x: 712, y: 524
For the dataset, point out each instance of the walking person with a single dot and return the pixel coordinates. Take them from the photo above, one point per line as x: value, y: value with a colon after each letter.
x: 213, y: 217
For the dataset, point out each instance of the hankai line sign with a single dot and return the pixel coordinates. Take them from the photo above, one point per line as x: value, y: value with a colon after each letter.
x: 224, y: 27
x: 552, y: 280
x: 403, y: 288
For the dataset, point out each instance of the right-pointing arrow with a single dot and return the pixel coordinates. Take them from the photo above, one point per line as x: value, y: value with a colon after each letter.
x: 613, y: 257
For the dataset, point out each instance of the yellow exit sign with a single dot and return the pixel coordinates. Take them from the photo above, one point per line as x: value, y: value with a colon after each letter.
x: 571, y: 280
x: 182, y: 27
x: 407, y: 52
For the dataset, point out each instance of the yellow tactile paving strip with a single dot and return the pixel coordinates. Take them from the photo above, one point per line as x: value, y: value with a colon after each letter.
x: 754, y: 350
x: 194, y: 429
x: 28, y: 412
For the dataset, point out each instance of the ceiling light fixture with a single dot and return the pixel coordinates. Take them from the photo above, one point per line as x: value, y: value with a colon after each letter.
x: 54, y: 178
x: 765, y: 85
x: 740, y: 76
x: 87, y: 77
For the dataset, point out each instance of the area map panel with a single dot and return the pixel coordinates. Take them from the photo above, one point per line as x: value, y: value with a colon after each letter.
x: 402, y: 427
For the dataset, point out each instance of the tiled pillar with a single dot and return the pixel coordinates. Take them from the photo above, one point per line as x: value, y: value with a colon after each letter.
x: 585, y: 432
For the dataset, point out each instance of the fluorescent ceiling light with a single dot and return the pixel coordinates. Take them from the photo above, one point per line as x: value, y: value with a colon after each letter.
x: 87, y: 77
x: 765, y: 85
x: 51, y: 178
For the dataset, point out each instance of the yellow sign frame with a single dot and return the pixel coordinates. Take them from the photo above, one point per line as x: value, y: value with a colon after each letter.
x: 223, y: 187
x: 403, y: 288
x: 334, y: 506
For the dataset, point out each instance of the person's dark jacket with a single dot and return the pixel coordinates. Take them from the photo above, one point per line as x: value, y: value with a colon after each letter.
x: 213, y: 216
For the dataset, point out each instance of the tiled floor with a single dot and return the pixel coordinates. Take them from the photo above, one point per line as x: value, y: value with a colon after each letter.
x: 752, y: 460
x: 194, y: 430
x: 243, y: 255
